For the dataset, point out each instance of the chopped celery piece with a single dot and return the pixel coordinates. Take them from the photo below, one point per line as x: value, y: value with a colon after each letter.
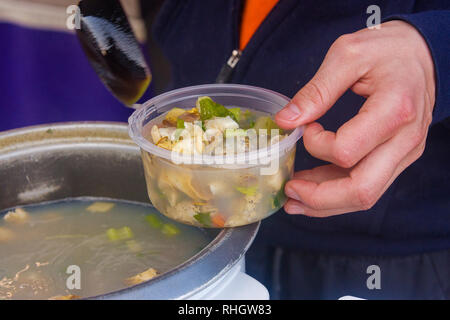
x: 204, y: 218
x: 154, y: 221
x: 266, y: 123
x: 180, y: 124
x: 248, y: 191
x: 112, y: 234
x: 209, y: 108
x: 123, y: 233
x: 235, y: 132
x: 170, y: 229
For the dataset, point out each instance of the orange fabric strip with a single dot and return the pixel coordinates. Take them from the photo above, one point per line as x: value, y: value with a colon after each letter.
x: 255, y: 11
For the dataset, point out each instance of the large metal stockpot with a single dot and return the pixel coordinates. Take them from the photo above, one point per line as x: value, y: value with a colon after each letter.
x: 98, y: 159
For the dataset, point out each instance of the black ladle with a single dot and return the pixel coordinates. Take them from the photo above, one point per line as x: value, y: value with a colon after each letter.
x: 112, y: 49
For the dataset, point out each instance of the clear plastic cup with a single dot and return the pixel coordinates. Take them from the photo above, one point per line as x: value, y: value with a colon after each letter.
x: 212, y: 191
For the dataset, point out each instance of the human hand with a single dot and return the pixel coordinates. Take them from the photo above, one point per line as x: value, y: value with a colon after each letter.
x: 393, y: 68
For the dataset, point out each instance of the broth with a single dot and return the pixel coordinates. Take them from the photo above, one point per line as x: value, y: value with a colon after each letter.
x: 209, y: 196
x: 109, y: 245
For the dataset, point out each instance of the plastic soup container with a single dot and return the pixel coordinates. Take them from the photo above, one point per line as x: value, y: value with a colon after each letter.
x: 213, y: 190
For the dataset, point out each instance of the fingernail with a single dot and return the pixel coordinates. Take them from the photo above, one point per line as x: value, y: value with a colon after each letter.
x: 295, y: 208
x: 290, y: 112
x: 292, y: 194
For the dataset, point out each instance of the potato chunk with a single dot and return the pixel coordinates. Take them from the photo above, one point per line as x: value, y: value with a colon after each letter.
x: 173, y: 115
x: 141, y: 277
x: 17, y: 216
x: 100, y: 207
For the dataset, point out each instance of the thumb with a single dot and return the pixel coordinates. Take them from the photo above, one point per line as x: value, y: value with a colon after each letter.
x: 337, y: 73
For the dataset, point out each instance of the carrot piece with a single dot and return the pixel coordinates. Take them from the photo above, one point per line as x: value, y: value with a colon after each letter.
x: 218, y: 220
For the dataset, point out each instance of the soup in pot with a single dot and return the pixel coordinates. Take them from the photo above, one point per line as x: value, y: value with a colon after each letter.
x: 86, y: 247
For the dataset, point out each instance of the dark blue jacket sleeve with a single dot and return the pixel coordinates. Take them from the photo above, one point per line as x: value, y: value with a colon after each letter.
x: 435, y: 28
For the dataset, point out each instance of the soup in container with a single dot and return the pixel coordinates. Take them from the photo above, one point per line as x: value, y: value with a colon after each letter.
x: 216, y: 190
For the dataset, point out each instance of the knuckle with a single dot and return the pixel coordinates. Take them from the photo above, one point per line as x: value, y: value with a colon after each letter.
x: 366, y: 196
x: 343, y: 156
x: 348, y: 45
x: 407, y: 112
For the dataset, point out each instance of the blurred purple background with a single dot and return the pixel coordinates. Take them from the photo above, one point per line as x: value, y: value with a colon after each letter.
x: 45, y: 78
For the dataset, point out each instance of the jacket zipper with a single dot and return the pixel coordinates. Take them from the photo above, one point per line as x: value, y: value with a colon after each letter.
x: 227, y: 70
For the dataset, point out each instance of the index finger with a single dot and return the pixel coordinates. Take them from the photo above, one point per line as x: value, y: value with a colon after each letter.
x: 338, y: 72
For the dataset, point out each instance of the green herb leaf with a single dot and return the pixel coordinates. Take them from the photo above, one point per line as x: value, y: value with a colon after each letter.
x: 236, y: 112
x: 279, y: 197
x: 205, y: 106
x: 209, y: 108
x: 204, y: 218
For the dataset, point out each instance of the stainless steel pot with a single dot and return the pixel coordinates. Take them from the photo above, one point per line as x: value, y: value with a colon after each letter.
x: 50, y: 162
